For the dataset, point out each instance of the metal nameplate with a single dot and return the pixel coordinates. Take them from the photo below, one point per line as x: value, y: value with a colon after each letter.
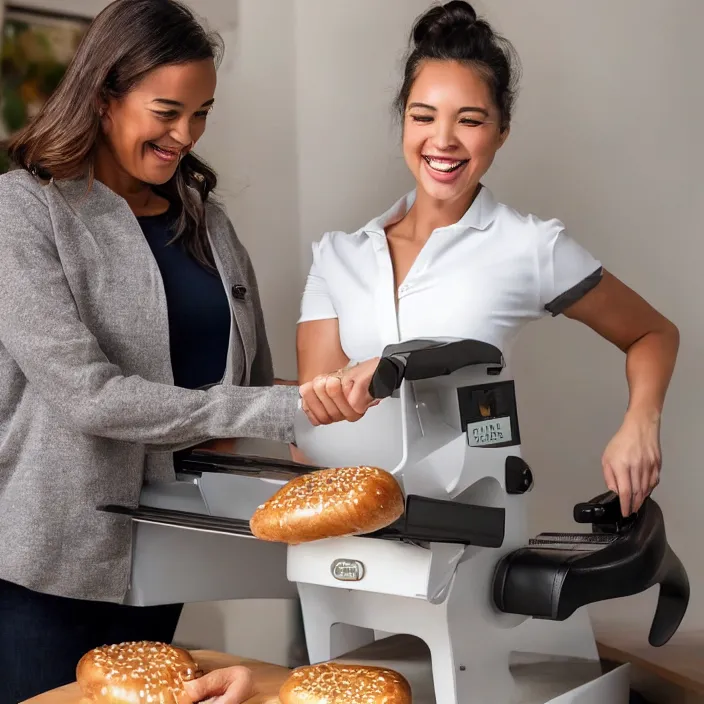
x: 347, y: 570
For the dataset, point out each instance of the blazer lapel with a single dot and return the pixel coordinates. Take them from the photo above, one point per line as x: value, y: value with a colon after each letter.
x: 234, y: 279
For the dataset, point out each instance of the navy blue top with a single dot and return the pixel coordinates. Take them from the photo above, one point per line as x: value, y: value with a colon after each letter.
x: 199, y: 309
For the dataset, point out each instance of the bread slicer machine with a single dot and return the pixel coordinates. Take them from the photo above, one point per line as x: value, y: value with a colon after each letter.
x: 458, y: 571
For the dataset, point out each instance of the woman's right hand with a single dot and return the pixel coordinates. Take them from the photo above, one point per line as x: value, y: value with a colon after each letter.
x: 324, y: 401
x: 227, y: 685
x: 356, y: 382
x: 340, y: 395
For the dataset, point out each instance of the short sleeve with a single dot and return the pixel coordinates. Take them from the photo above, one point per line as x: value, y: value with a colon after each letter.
x: 567, y: 271
x: 317, y: 303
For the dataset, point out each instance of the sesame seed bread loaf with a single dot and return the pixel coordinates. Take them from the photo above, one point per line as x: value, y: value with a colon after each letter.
x: 329, y: 503
x: 136, y: 673
x: 335, y: 683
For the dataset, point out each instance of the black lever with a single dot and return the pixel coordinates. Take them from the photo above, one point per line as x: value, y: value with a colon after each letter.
x: 598, y: 510
x: 428, y: 359
x: 604, y: 513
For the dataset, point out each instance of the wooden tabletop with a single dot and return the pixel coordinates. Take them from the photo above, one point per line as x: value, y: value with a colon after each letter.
x: 267, y: 680
x: 680, y: 661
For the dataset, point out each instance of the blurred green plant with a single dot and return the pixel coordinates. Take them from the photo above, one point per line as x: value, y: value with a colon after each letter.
x: 30, y: 72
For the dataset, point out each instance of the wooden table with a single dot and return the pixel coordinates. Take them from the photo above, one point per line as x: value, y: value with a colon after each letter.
x: 680, y: 661
x: 267, y: 680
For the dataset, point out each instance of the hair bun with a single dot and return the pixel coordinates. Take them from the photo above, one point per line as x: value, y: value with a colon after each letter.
x: 444, y: 19
x: 453, y: 32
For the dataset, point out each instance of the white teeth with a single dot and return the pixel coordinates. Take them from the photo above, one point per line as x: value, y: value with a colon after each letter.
x: 166, y: 152
x: 444, y: 166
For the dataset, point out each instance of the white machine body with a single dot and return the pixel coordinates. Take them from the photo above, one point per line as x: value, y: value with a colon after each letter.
x: 438, y: 592
x: 451, y: 438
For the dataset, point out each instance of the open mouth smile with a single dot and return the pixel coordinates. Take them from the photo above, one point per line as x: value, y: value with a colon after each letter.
x: 443, y: 164
x: 165, y: 153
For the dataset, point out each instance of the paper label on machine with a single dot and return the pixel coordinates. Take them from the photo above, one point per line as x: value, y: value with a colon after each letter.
x: 489, y: 432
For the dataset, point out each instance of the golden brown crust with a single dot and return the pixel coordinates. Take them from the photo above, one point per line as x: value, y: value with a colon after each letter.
x: 329, y: 503
x: 141, y: 672
x: 336, y: 683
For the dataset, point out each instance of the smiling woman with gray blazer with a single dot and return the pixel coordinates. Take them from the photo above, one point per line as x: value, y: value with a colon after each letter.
x: 130, y: 329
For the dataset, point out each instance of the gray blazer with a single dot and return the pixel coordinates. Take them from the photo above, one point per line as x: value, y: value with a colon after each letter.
x: 88, y: 409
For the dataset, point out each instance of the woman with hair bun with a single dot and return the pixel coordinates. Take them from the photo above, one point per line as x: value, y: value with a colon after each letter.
x: 449, y: 260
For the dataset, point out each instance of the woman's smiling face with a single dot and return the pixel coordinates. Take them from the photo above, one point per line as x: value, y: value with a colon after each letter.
x: 451, y: 129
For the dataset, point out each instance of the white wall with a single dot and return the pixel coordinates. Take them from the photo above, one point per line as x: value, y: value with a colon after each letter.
x: 348, y: 62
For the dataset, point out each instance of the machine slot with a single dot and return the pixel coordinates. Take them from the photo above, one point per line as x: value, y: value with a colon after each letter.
x: 183, y: 519
x: 256, y: 467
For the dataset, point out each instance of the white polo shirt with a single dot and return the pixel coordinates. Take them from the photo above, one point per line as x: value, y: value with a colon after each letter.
x: 482, y: 278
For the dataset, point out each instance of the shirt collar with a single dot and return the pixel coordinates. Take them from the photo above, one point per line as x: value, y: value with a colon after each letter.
x: 478, y: 216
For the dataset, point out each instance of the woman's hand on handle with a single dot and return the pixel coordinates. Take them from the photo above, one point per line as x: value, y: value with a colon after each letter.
x: 340, y: 395
x: 355, y: 385
x: 324, y: 401
x: 227, y: 685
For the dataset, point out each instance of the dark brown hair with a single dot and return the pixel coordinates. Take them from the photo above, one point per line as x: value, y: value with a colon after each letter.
x: 127, y: 40
x: 452, y: 32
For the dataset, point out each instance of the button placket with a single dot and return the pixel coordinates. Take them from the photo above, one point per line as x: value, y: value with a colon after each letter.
x: 384, y: 297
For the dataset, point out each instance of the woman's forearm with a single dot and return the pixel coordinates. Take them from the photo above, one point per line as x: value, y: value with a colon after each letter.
x: 318, y: 349
x: 649, y: 340
x: 650, y: 363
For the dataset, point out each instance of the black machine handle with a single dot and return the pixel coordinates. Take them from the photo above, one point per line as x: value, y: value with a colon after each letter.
x: 428, y: 359
x: 604, y: 513
x: 620, y: 557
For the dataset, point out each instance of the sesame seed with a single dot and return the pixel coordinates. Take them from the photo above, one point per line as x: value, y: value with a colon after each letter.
x: 150, y: 669
x: 330, y: 502
x: 349, y: 683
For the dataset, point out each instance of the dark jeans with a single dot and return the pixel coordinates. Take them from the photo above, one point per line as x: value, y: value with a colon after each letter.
x: 43, y: 637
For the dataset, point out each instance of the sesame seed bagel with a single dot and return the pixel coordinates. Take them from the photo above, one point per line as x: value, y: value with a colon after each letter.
x: 136, y: 673
x: 335, y: 683
x: 329, y: 503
